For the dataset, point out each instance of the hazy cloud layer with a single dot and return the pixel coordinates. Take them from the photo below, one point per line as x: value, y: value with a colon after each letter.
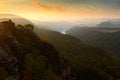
x: 110, y: 4
x: 62, y: 9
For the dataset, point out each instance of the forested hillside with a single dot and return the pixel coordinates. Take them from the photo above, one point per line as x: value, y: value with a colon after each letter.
x: 87, y: 62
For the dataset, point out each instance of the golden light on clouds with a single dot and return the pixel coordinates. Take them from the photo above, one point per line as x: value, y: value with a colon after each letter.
x: 85, y: 11
x: 35, y: 9
x: 46, y: 7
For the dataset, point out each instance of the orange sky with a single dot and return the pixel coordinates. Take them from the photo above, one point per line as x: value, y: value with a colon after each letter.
x: 37, y: 10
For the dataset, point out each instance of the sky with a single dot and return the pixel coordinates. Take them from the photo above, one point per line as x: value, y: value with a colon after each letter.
x: 61, y: 9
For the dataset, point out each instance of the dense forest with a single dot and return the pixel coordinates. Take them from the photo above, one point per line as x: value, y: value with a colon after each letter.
x: 29, y: 53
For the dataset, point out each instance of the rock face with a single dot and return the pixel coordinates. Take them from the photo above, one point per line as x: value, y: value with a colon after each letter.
x: 14, y: 48
x: 9, y: 62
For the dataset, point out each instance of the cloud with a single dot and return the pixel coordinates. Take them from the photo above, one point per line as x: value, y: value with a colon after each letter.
x: 107, y: 4
x: 47, y: 7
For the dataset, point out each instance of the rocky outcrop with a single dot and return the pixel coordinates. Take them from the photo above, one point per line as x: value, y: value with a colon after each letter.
x: 12, y: 56
x: 9, y: 62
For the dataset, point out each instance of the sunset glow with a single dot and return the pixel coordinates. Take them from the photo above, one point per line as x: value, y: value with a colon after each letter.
x: 59, y: 10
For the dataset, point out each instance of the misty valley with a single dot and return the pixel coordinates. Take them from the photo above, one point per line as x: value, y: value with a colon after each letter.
x: 35, y: 50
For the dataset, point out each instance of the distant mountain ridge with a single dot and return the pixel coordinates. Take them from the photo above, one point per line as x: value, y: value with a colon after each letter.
x: 9, y: 16
x: 15, y: 18
x: 109, y: 24
x: 107, y: 38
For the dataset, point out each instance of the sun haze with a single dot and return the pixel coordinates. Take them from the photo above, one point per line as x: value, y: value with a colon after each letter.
x: 61, y: 9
